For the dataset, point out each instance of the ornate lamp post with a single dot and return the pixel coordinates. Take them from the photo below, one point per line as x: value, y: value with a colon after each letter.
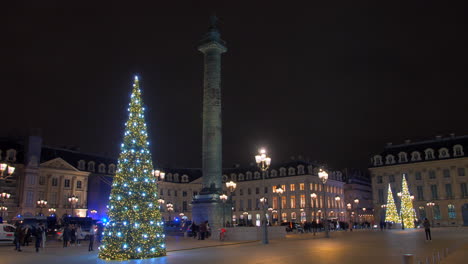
x: 73, y: 200
x: 313, y: 196
x: 356, y: 201
x: 431, y: 205
x: 270, y: 210
x: 382, y: 215
x: 170, y: 208
x: 159, y: 175
x: 323, y: 176
x: 6, y: 170
x: 263, y: 162
x: 223, y: 198
x: 337, y: 199
x: 41, y: 203
x: 279, y: 191
x: 231, y: 187
x: 400, y: 194
x: 3, y: 209
x: 349, y: 207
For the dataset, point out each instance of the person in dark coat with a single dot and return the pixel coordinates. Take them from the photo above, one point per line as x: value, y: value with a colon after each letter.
x: 38, y: 235
x: 27, y: 235
x: 194, y: 229
x: 73, y: 235
x: 92, y: 234
x: 66, y: 236
x: 19, y: 237
x: 203, y: 230
x: 427, y: 229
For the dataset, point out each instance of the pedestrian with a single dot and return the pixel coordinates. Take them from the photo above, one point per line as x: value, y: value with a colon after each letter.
x: 73, y: 235
x: 19, y: 237
x: 203, y: 230
x: 427, y: 229
x: 79, y: 234
x: 194, y: 229
x: 92, y: 233
x: 44, y: 235
x: 27, y: 235
x: 66, y: 236
x: 38, y: 235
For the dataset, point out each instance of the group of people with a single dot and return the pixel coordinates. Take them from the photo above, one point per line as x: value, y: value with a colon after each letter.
x: 24, y: 234
x: 73, y: 234
x: 201, y: 231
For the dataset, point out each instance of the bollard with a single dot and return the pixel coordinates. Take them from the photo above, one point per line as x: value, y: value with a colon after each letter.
x: 408, y: 259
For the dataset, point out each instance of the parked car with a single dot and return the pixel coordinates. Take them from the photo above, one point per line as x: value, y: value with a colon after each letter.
x: 7, y: 233
x: 291, y: 226
x: 84, y: 222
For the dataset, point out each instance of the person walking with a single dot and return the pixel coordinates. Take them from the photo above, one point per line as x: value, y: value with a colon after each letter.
x: 92, y: 233
x: 38, y: 235
x: 79, y: 235
x: 194, y: 229
x: 27, y: 235
x: 73, y: 235
x: 203, y: 230
x: 427, y: 229
x: 66, y: 236
x: 19, y: 237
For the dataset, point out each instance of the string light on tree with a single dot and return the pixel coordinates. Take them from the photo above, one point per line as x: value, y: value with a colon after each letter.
x: 406, y: 212
x: 130, y: 232
x: 391, y: 215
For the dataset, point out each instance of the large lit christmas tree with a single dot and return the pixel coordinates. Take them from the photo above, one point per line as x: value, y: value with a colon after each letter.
x: 406, y: 211
x: 135, y: 229
x: 391, y: 215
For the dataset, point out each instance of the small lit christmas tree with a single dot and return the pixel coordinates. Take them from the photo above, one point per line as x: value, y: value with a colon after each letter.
x: 391, y: 215
x: 135, y: 229
x: 406, y: 211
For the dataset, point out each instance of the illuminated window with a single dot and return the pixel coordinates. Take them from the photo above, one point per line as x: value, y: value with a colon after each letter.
x: 303, y: 201
x: 301, y: 186
x: 292, y: 187
x: 283, y: 201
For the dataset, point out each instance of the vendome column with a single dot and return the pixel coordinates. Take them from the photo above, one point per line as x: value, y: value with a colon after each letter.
x: 207, y: 206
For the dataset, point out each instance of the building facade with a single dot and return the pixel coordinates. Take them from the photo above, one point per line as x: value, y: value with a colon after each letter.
x: 358, y: 196
x: 436, y: 171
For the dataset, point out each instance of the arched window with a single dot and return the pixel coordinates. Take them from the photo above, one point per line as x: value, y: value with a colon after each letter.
x: 81, y: 165
x: 102, y: 168
x: 310, y: 169
x: 389, y: 159
x: 451, y: 211
x: 184, y: 178
x: 169, y: 177
x: 293, y: 216
x: 11, y: 155
x: 91, y: 166
x: 443, y: 153
x: 111, y: 168
x: 249, y: 175
x: 291, y: 171
x: 241, y: 177
x: 300, y: 169
x: 429, y: 154
x: 234, y: 177
x: 284, y: 217
x: 377, y: 160
x: 303, y: 217
x: 274, y: 173
x: 415, y: 156
x: 176, y: 177
x: 282, y: 171
x: 402, y: 157
x: 257, y: 175
x: 458, y: 150
x: 225, y: 178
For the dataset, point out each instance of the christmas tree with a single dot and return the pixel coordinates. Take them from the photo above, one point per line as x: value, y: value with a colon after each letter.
x: 406, y: 211
x: 391, y: 215
x: 135, y: 229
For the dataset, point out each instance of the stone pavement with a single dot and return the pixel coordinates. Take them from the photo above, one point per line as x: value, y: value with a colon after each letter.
x: 362, y: 247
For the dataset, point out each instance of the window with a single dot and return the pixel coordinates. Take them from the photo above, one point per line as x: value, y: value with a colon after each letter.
x: 265, y: 190
x: 417, y: 175
x: 458, y: 150
x: 291, y: 171
x: 303, y: 201
x: 176, y: 177
x: 274, y: 173
x: 91, y: 166
x: 390, y: 159
x: 379, y: 179
x: 415, y: 156
x: 102, y: 168
x: 437, y: 212
x: 301, y: 186
x: 434, y: 192
x: 41, y: 180
x: 293, y: 216
x: 257, y: 175
x: 292, y: 187
x: 300, y: 169
x: 249, y: 175
x: 381, y: 196
x: 377, y: 160
x: 446, y: 173
x: 402, y: 157
x: 161, y: 192
x: 257, y: 190
x: 432, y: 174
x: 448, y: 190
x: 282, y: 171
x: 283, y: 201
x: 111, y: 169
x: 451, y: 211
x: 249, y: 204
x: 29, y: 198
x: 11, y: 155
x: 461, y: 171
x: 443, y: 153
x: 175, y: 192
x: 78, y: 184
x: 168, y: 192
x: 67, y: 183
x: 429, y: 154
x: 391, y: 178
x: 249, y: 192
x: 422, y: 212
x: 420, y: 193
x: 463, y: 189
x: 195, y: 193
x: 31, y: 179
x: 241, y: 191
x: 241, y: 177
x: 184, y: 194
x: 293, y: 201
x: 241, y: 205
x: 81, y: 164
x: 184, y: 206
x: 54, y: 181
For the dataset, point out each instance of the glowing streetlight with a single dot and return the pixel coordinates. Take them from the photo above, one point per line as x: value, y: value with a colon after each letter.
x: 323, y: 176
x: 263, y: 162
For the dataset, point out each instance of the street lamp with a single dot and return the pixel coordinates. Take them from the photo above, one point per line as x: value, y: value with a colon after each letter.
x: 41, y: 203
x: 72, y: 200
x: 279, y: 190
x: 400, y: 194
x: 323, y: 176
x: 231, y: 187
x: 337, y: 199
x: 52, y: 210
x: 246, y: 218
x: 270, y: 210
x: 431, y: 205
x: 170, y: 208
x: 263, y: 162
x: 223, y: 198
x: 313, y: 196
x: 4, y: 167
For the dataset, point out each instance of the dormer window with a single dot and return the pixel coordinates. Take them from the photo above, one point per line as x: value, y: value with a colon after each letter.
x: 291, y: 171
x: 274, y: 173
x: 300, y: 169
x: 443, y: 153
x: 458, y: 150
x: 102, y: 168
x: 81, y: 165
x: 415, y: 156
x: 241, y: 177
x: 402, y: 157
x: 225, y: 178
x: 429, y: 154
x: 169, y: 177
x: 377, y: 160
x: 11, y: 155
x: 184, y: 178
x: 390, y: 159
x: 91, y: 166
x: 111, y: 169
x: 249, y: 175
x: 282, y: 171
x: 176, y: 177
x: 257, y: 175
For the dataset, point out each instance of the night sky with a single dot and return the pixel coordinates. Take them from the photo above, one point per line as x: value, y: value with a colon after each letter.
x: 332, y: 83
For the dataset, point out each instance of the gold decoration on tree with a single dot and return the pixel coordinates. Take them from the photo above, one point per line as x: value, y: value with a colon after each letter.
x: 391, y: 214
